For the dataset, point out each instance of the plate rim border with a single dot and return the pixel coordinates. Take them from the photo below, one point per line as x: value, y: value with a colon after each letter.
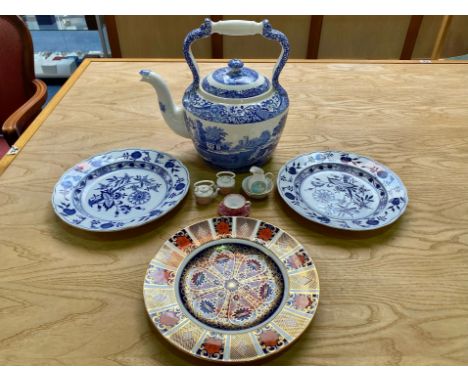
x: 333, y: 226
x: 259, y: 358
x: 118, y: 229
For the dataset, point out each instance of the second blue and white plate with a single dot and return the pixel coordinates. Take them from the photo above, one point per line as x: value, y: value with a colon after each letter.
x: 120, y: 189
x: 342, y: 190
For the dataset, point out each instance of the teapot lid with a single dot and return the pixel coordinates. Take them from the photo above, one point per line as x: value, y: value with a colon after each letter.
x: 235, y: 81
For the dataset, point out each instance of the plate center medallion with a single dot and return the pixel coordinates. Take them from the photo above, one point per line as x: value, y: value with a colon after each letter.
x: 342, y: 192
x: 115, y: 192
x: 231, y: 286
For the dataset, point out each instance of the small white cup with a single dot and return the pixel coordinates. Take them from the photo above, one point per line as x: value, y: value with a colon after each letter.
x: 226, y: 181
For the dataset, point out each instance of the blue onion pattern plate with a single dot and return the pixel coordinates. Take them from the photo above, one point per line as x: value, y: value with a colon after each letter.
x: 120, y: 189
x: 342, y: 190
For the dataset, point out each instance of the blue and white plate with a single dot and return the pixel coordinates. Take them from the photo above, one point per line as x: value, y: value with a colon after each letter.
x: 120, y: 189
x: 342, y: 190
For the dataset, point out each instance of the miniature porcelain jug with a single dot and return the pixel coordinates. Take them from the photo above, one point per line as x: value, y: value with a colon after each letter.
x: 205, y: 191
x: 234, y: 115
x: 259, y: 181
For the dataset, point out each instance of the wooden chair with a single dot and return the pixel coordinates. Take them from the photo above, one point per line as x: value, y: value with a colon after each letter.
x: 21, y: 94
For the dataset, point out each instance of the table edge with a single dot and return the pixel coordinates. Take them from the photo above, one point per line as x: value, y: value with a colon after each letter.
x: 34, y: 126
x: 37, y: 122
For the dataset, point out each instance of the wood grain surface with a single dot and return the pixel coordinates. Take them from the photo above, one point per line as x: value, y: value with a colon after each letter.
x: 397, y: 296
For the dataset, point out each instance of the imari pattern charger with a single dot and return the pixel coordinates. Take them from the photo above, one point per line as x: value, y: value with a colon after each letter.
x: 231, y: 289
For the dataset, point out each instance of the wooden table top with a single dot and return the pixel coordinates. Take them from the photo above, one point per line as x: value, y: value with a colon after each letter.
x: 397, y: 296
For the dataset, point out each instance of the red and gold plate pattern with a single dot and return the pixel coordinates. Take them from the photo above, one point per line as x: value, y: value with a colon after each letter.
x: 231, y: 289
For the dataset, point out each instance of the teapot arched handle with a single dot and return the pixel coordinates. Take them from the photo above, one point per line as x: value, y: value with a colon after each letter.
x: 236, y: 28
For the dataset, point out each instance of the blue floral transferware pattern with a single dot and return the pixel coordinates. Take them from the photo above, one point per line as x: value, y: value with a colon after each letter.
x: 342, y: 190
x: 216, y: 147
x: 120, y: 189
x: 205, y: 31
x: 240, y: 114
x: 237, y: 101
x: 235, y: 81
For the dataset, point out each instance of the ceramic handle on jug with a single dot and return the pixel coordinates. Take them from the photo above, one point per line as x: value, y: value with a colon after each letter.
x: 236, y: 28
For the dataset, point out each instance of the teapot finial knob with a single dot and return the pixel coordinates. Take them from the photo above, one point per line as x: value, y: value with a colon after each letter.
x: 236, y: 65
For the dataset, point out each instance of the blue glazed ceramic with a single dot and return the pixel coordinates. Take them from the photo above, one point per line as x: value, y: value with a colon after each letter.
x: 234, y: 115
x: 342, y: 190
x: 120, y: 189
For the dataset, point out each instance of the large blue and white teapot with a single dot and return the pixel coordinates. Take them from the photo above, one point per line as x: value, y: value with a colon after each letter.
x: 234, y: 115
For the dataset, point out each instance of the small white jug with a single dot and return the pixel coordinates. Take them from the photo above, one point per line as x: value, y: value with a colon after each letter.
x: 259, y: 182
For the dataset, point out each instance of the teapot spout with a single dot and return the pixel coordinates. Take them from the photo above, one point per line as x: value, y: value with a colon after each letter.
x: 173, y: 114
